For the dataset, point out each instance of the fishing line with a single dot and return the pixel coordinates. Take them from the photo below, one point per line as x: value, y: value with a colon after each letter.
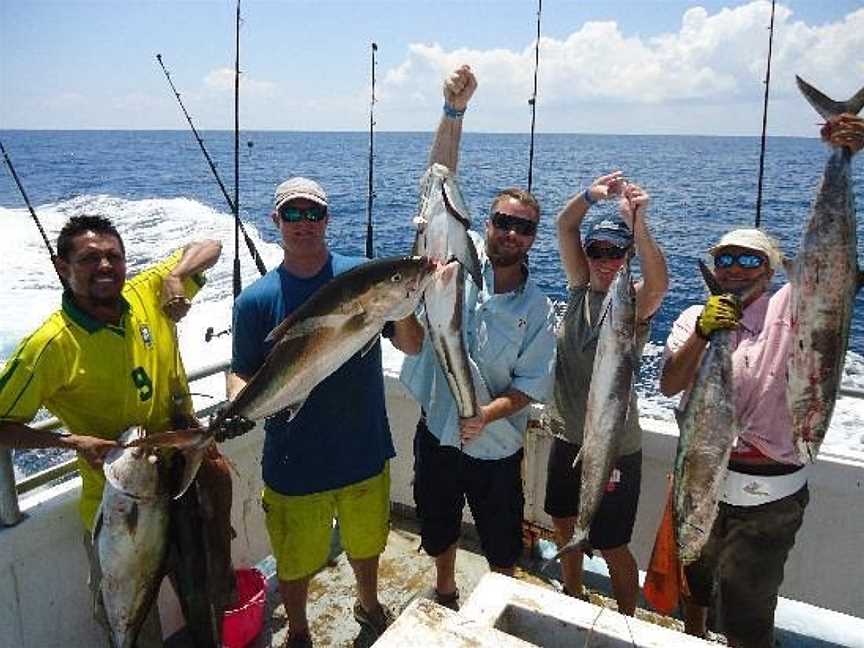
x: 238, y: 286
x: 370, y: 192
x: 764, y: 119
x: 33, y: 214
x: 533, y: 100
x: 253, y: 251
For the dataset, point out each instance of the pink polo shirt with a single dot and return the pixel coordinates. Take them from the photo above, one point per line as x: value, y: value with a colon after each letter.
x: 759, y: 360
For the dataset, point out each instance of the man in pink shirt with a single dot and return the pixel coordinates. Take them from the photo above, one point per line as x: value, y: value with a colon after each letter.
x: 765, y: 493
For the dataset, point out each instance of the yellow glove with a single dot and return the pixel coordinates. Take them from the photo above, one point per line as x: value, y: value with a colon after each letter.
x: 720, y: 312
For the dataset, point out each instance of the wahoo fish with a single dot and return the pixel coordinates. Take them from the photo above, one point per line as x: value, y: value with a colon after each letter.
x: 442, y: 235
x: 130, y: 538
x: 707, y: 431
x: 615, y: 364
x: 824, y: 279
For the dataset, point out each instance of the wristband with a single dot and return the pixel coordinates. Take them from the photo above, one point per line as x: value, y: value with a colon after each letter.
x: 453, y: 113
x: 588, y: 199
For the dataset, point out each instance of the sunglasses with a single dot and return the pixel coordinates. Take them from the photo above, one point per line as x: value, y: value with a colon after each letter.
x: 747, y: 260
x: 295, y: 214
x: 600, y: 252
x: 506, y: 222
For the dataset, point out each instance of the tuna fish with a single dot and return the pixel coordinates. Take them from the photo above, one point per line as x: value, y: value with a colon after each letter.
x: 824, y: 277
x: 130, y: 538
x: 442, y: 235
x: 615, y: 364
x: 707, y: 431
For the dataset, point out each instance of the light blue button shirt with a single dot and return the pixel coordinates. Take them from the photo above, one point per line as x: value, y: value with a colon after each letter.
x: 510, y: 336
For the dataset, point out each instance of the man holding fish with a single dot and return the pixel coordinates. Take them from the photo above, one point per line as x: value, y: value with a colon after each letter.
x: 777, y: 342
x: 595, y: 463
x: 106, y: 361
x: 487, y: 350
x: 327, y: 445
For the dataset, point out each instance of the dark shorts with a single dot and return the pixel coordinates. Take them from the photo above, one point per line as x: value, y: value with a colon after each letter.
x: 744, y: 557
x: 444, y: 477
x: 613, y: 523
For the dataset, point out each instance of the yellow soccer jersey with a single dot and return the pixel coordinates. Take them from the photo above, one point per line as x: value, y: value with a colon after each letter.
x: 100, y: 379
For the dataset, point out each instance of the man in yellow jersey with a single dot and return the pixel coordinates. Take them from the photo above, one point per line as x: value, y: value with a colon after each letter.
x: 107, y: 360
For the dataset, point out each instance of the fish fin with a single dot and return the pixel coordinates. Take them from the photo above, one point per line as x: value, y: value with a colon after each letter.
x: 578, y: 457
x: 368, y: 346
x: 192, y: 459
x: 860, y: 280
x: 291, y: 327
x: 826, y: 106
x: 294, y: 408
x: 578, y: 542
x: 468, y: 257
x: 710, y: 280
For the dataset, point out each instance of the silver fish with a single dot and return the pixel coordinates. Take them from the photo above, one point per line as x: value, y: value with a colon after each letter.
x: 130, y: 538
x: 615, y: 364
x: 442, y: 235
x: 824, y: 279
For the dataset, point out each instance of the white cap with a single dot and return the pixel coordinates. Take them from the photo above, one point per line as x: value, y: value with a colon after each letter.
x: 752, y: 239
x: 298, y: 187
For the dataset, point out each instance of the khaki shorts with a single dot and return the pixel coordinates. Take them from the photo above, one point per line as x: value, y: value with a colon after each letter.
x: 299, y: 526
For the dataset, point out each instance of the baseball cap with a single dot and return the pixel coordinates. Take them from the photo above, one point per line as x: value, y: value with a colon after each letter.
x: 752, y: 239
x: 298, y: 187
x: 610, y: 230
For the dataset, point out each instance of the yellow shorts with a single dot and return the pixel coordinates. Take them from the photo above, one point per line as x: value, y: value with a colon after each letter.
x: 299, y: 526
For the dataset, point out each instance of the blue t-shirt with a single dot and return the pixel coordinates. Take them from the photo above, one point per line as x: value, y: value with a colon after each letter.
x: 341, y: 434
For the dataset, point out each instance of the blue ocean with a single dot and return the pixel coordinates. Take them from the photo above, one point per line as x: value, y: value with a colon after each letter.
x: 160, y: 192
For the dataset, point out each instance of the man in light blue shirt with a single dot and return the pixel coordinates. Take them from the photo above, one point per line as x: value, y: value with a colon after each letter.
x: 508, y: 330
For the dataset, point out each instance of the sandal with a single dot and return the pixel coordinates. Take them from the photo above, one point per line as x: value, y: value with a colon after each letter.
x: 450, y: 600
x: 376, y: 622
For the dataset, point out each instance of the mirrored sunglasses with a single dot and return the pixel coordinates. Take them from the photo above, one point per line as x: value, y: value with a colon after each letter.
x: 747, y: 260
x: 506, y: 223
x: 295, y: 214
x: 604, y: 252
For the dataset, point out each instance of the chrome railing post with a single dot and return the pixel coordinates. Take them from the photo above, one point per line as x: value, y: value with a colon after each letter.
x: 10, y: 514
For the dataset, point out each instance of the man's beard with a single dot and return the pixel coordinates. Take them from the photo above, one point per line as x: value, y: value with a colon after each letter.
x: 504, y: 258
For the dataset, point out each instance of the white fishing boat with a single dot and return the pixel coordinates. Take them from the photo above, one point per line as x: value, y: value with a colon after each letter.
x: 44, y: 599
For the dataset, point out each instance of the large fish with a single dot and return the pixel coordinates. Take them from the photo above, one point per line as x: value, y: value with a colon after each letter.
x: 824, y: 277
x: 615, y: 364
x: 442, y: 235
x: 130, y: 538
x: 707, y: 431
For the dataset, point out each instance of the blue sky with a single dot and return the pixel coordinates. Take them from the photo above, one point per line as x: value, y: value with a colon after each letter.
x: 642, y: 66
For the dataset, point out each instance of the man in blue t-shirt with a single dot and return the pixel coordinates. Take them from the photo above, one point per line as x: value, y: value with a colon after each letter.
x: 331, y: 460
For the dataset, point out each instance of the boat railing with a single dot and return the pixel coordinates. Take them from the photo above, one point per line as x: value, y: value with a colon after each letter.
x: 10, y: 513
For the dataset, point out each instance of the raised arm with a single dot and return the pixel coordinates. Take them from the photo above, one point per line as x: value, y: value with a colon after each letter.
x: 655, y: 276
x: 570, y: 220
x: 18, y: 435
x: 197, y: 257
x: 458, y: 89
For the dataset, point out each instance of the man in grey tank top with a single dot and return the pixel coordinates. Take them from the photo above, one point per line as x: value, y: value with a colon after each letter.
x: 591, y: 266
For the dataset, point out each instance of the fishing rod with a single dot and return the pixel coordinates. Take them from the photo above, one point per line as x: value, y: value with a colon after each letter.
x: 33, y: 214
x: 370, y: 193
x: 253, y: 251
x: 238, y: 286
x: 764, y: 119
x: 533, y: 100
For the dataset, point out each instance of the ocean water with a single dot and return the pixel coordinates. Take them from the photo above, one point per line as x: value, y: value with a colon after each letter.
x: 157, y: 188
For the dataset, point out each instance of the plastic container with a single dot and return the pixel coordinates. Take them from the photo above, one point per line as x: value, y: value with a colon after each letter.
x: 243, y: 623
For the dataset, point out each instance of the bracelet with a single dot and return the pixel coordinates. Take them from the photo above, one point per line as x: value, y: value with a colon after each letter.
x: 588, y: 199
x: 453, y: 113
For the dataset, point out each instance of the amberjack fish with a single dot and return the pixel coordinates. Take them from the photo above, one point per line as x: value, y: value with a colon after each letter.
x: 824, y: 278
x: 442, y: 235
x: 130, y: 538
x: 707, y: 430
x: 615, y: 364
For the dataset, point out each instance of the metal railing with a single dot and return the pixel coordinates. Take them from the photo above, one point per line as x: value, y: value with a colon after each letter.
x: 10, y: 513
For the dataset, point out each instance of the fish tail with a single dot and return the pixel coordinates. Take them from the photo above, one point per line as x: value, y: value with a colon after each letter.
x: 714, y: 286
x: 826, y: 106
x: 579, y: 542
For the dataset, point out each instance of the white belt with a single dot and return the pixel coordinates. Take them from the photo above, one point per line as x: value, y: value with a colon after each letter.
x: 740, y: 489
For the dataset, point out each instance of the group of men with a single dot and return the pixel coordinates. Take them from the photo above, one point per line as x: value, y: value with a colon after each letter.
x: 331, y: 460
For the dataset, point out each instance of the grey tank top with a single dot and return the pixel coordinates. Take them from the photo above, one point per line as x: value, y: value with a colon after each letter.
x: 576, y: 346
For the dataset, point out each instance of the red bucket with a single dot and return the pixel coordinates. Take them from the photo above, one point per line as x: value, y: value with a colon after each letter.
x: 243, y: 623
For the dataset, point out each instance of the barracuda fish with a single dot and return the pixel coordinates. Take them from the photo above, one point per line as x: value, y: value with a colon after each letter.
x: 825, y: 277
x: 615, y: 364
x: 130, y: 538
x: 707, y: 431
x: 442, y: 235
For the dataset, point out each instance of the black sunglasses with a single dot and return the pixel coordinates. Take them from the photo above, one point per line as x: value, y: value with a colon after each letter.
x: 746, y: 260
x: 506, y: 222
x: 295, y: 214
x: 601, y: 252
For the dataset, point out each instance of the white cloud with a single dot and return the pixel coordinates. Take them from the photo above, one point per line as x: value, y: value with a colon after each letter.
x: 222, y: 80
x: 712, y: 60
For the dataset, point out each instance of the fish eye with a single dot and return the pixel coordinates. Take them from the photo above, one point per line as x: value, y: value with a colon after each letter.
x: 396, y: 278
